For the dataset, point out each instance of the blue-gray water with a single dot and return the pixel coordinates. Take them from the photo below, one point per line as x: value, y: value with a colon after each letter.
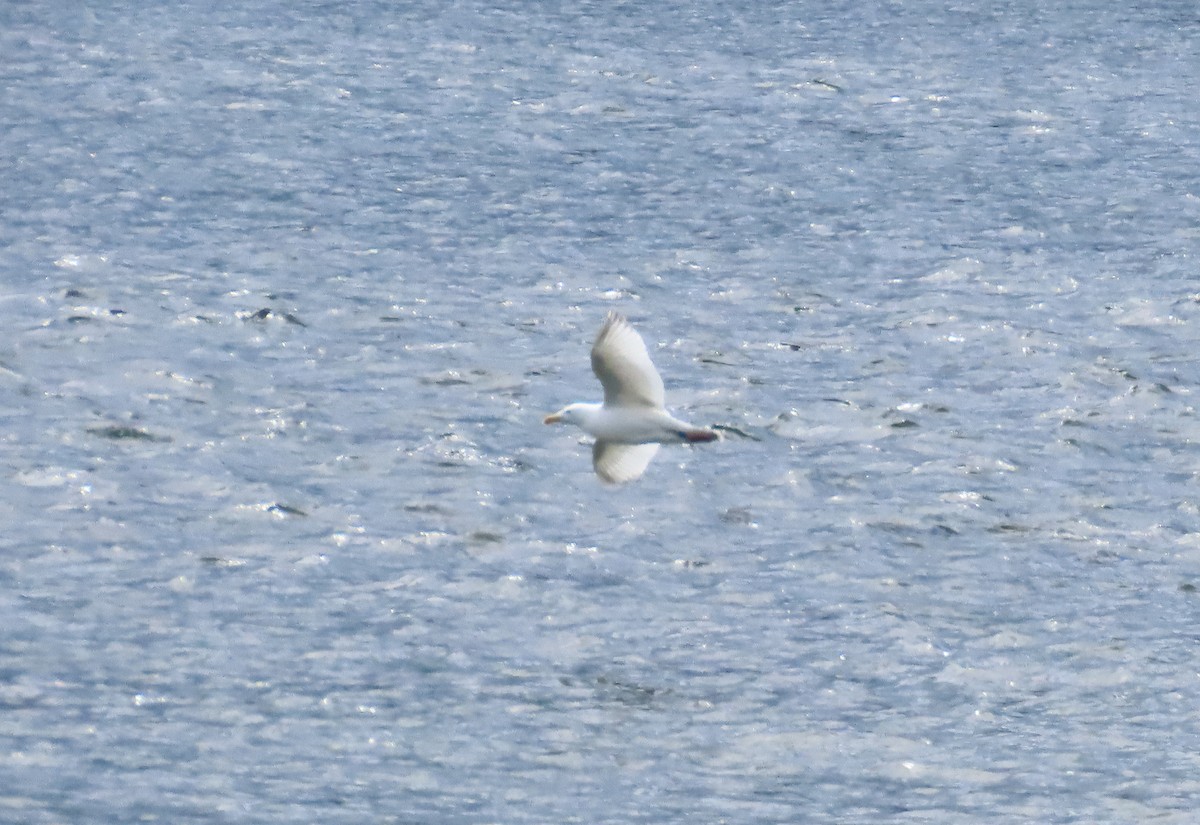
x: 287, y: 288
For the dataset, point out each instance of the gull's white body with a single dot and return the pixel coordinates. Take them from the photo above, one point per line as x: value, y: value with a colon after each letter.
x: 632, y: 421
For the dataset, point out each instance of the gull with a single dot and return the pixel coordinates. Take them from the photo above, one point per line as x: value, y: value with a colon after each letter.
x: 633, y: 421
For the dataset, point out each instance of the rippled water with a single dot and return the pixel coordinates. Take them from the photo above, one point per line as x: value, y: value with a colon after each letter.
x: 289, y: 287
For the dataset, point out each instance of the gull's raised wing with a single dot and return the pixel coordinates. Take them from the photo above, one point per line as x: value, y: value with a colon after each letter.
x: 618, y: 463
x: 621, y: 362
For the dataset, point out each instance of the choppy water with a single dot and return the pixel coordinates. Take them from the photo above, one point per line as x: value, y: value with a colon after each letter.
x: 288, y: 287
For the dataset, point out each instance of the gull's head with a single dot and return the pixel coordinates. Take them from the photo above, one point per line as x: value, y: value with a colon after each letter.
x: 570, y: 414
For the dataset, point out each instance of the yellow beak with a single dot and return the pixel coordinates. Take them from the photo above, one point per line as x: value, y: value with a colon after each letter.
x: 552, y: 419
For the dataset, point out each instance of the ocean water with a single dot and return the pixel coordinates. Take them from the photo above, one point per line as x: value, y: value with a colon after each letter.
x: 288, y: 287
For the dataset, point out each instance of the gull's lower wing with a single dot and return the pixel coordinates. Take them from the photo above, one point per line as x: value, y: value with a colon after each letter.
x: 618, y: 463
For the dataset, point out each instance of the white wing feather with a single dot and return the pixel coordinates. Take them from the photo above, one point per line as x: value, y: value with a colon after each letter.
x: 618, y: 463
x: 621, y: 362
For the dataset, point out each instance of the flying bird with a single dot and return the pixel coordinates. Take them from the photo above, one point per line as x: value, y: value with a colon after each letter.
x: 633, y: 421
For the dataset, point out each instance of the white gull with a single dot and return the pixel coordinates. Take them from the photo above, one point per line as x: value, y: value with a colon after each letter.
x: 633, y: 420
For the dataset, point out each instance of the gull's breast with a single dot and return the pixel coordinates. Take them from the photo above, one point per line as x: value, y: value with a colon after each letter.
x: 636, y: 425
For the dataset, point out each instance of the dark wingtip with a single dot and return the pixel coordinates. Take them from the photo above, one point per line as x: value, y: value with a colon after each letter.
x: 698, y: 436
